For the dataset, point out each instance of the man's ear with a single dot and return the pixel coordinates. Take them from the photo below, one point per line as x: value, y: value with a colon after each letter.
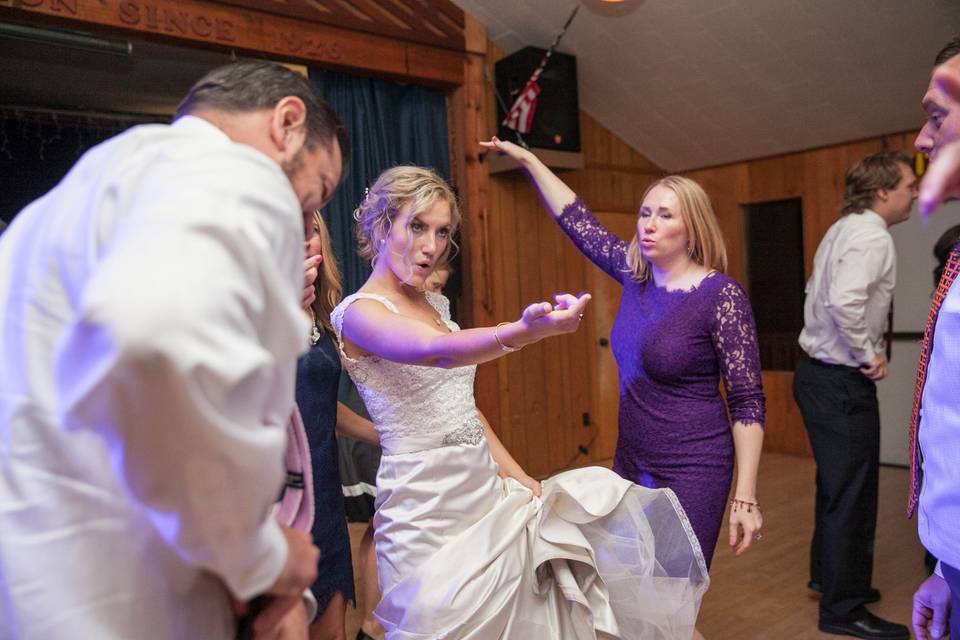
x: 288, y: 126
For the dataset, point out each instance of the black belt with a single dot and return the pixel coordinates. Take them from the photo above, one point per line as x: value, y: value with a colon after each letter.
x: 830, y: 365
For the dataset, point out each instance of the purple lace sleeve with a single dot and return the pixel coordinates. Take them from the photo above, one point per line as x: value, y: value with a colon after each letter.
x: 735, y: 341
x: 603, y: 248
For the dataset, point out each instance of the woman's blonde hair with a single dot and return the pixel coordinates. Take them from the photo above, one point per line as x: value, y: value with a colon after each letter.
x: 394, y: 189
x: 327, y: 283
x: 706, y: 246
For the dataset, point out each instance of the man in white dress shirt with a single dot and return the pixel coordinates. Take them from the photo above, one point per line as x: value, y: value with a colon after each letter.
x: 845, y: 316
x: 150, y: 330
x: 935, y: 493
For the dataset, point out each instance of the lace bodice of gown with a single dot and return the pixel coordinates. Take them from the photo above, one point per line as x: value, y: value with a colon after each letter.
x: 413, y: 407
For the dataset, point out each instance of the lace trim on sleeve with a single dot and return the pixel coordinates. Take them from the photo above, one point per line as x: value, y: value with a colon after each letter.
x: 596, y: 242
x: 336, y: 316
x: 735, y: 339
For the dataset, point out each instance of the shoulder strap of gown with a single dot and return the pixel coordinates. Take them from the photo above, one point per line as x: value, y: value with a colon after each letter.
x: 336, y: 316
x: 439, y: 302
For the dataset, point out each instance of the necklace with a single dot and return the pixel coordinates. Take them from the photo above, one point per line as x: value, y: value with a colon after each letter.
x: 315, y: 333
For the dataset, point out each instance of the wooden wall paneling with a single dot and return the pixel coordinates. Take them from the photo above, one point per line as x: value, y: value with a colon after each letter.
x: 580, y: 353
x: 553, y: 381
x: 605, y: 381
x: 784, y: 431
x: 508, y: 282
x: 854, y: 151
x: 534, y: 357
x: 502, y: 421
x: 728, y: 188
x: 823, y: 188
x: 901, y: 142
x: 775, y: 178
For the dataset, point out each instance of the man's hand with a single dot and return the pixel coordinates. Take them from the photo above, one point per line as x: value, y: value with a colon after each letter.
x: 291, y: 625
x: 298, y: 574
x: 931, y: 608
x: 877, y: 369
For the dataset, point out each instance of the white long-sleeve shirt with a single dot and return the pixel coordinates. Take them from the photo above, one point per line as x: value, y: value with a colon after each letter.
x: 849, y: 292
x: 938, y: 514
x: 148, y: 342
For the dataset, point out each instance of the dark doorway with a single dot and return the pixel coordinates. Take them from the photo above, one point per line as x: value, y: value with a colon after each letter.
x: 774, y: 248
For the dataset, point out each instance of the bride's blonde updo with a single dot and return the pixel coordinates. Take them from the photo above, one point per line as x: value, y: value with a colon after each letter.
x: 394, y: 189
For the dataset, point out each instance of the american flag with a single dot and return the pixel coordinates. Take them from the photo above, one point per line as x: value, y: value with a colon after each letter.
x: 520, y: 116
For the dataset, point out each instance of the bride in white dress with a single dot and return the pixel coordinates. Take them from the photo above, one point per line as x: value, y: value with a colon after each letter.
x: 468, y: 545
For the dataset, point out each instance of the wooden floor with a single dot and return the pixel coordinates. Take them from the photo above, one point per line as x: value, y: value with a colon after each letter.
x: 762, y: 595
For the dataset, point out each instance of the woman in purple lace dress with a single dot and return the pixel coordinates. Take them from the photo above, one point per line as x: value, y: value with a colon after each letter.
x: 682, y: 325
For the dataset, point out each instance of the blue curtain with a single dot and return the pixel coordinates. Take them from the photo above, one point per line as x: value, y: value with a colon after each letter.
x: 389, y: 124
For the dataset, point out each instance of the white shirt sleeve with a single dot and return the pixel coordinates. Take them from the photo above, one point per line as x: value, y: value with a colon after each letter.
x: 182, y: 357
x: 857, y: 268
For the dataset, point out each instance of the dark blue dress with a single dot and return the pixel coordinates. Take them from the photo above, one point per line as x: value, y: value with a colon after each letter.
x: 318, y: 378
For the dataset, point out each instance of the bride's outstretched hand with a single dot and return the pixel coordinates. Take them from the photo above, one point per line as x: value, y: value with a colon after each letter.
x: 543, y: 319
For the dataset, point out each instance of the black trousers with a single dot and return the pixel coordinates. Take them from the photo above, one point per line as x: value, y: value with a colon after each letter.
x: 842, y: 417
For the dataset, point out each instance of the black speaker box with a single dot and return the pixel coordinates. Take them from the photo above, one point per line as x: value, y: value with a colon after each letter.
x: 556, y: 121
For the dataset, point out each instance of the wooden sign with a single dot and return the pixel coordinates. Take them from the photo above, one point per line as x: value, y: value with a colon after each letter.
x: 225, y: 26
x: 437, y: 23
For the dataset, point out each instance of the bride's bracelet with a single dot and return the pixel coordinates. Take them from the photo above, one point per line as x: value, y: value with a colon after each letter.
x: 736, y: 505
x: 503, y: 347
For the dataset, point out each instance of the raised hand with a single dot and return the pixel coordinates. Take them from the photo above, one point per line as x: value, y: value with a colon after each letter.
x: 507, y: 148
x: 555, y: 194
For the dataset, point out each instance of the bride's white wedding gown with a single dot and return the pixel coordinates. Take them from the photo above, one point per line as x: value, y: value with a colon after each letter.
x: 464, y: 553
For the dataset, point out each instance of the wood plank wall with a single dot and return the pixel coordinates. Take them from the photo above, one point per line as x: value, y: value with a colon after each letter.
x: 815, y: 176
x: 545, y: 390
x: 541, y: 394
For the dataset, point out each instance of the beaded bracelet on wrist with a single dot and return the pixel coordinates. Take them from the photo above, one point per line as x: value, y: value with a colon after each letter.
x: 736, y: 505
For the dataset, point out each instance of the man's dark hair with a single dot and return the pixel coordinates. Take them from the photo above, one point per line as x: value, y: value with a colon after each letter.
x: 951, y: 49
x: 250, y: 86
x: 875, y: 172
